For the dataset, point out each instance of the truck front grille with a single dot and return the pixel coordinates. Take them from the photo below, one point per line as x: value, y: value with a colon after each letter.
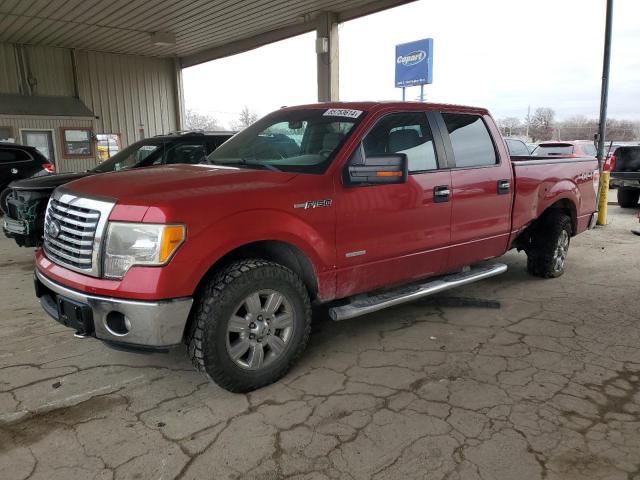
x: 73, y: 230
x: 69, y: 233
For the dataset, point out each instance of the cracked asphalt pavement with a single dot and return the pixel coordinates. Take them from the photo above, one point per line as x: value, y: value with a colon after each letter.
x: 511, y: 378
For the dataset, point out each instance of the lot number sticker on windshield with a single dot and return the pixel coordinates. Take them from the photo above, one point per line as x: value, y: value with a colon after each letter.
x: 342, y: 112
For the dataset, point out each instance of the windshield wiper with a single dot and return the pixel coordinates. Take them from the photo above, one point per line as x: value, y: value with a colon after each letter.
x: 266, y: 166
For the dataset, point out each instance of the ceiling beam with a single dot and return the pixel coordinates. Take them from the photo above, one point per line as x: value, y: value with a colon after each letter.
x: 265, y: 38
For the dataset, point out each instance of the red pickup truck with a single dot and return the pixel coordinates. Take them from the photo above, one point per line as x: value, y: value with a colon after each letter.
x: 356, y: 205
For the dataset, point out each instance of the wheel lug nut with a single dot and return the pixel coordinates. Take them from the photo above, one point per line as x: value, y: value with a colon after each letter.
x: 259, y: 340
x: 251, y: 336
x: 259, y: 317
x: 252, y: 325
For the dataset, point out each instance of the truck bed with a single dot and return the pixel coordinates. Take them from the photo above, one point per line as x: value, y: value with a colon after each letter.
x: 541, y: 182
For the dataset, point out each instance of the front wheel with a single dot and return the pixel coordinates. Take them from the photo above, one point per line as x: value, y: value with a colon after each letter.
x: 547, y: 254
x: 251, y: 323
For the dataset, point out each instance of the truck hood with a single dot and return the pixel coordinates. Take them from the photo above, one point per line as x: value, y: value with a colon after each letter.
x: 47, y: 182
x: 164, y: 184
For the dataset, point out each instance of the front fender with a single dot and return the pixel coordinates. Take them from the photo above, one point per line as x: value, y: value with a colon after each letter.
x: 205, y: 247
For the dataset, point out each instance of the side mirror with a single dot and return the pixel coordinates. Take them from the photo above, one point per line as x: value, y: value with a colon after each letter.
x: 379, y: 169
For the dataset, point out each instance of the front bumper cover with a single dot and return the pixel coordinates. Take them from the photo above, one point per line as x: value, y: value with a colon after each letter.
x: 157, y: 324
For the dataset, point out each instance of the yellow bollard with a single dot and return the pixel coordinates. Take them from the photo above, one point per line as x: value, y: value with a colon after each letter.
x: 604, y: 193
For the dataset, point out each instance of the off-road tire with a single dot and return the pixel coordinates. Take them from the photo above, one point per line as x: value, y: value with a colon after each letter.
x: 541, y: 260
x: 628, y: 197
x: 207, y: 333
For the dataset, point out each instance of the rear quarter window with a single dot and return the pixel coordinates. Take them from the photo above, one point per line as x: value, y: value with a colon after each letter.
x: 13, y: 155
x: 471, y: 142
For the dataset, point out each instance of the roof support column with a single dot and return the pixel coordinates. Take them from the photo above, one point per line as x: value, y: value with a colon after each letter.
x: 327, y: 52
x: 178, y: 94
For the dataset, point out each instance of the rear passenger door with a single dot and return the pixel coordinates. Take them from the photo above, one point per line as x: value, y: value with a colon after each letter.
x: 389, y: 234
x: 481, y: 189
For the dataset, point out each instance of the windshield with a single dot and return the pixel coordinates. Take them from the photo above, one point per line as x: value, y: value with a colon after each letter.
x: 142, y: 152
x: 304, y: 141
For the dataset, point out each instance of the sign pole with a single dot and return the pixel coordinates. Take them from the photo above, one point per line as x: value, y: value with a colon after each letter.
x: 601, y: 198
x: 421, y: 93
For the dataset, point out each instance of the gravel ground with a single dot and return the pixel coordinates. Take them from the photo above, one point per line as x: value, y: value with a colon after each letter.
x: 511, y: 378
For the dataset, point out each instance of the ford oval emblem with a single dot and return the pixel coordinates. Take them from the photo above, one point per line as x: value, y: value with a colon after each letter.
x: 53, y: 229
x: 412, y: 58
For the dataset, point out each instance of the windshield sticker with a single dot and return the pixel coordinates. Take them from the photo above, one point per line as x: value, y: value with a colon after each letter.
x: 342, y: 112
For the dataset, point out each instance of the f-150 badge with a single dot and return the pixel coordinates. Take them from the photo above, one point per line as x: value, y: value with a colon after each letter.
x: 313, y: 204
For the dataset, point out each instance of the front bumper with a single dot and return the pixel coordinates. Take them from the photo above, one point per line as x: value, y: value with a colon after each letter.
x: 157, y: 324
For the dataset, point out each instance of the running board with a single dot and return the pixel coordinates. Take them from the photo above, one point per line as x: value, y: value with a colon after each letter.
x: 364, y: 304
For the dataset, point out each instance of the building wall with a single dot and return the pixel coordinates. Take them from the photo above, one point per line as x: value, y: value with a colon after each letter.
x: 9, y: 79
x: 126, y: 93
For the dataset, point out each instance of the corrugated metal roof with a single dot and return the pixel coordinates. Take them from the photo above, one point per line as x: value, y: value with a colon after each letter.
x: 45, y: 106
x: 124, y: 26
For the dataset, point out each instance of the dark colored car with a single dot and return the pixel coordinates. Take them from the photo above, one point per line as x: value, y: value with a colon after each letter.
x: 625, y: 174
x: 25, y: 201
x: 517, y: 148
x: 21, y: 161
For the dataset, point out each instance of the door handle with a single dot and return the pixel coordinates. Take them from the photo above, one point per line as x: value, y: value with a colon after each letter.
x: 441, y: 193
x: 503, y: 187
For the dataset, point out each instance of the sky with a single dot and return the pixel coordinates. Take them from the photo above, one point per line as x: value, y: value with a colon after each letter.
x: 499, y: 54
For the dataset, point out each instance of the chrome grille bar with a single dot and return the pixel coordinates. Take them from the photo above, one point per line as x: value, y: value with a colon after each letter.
x: 73, y: 231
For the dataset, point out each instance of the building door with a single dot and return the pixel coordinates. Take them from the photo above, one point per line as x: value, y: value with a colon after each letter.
x: 42, y: 140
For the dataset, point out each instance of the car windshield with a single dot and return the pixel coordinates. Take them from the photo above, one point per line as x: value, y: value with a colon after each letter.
x: 144, y: 152
x: 304, y: 141
x: 553, y: 149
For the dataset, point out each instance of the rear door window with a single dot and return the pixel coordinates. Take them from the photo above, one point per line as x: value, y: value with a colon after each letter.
x: 470, y: 140
x: 12, y: 155
x: 407, y: 133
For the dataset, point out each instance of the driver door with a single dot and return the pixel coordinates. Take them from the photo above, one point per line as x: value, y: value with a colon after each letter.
x: 396, y: 233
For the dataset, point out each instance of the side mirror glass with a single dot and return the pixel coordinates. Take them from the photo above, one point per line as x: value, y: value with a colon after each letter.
x: 377, y: 169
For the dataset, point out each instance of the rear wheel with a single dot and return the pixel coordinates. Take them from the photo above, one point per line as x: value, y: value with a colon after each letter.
x: 547, y: 254
x: 251, y: 323
x: 628, y: 197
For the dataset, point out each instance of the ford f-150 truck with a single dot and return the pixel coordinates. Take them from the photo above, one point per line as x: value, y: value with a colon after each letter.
x: 356, y: 205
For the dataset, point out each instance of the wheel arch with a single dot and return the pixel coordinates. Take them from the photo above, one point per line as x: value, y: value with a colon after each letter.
x: 278, y: 251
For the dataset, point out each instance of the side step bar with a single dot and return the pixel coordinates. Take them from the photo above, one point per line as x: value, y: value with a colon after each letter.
x: 364, y: 304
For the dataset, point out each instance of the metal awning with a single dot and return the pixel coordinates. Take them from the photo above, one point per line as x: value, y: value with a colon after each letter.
x: 44, y: 106
x: 193, y: 30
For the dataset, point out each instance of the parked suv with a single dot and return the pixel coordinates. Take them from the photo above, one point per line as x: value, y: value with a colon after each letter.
x: 25, y: 201
x: 18, y: 162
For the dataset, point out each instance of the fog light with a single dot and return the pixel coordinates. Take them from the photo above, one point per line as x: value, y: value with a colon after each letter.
x: 117, y: 323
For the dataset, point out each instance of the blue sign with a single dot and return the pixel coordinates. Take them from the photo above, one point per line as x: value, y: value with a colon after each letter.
x: 414, y: 63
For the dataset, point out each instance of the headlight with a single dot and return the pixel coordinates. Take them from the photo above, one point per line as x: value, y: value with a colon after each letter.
x: 130, y: 244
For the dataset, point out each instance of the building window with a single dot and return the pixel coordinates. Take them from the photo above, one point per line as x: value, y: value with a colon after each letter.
x: 108, y: 145
x: 77, y: 142
x: 6, y: 134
